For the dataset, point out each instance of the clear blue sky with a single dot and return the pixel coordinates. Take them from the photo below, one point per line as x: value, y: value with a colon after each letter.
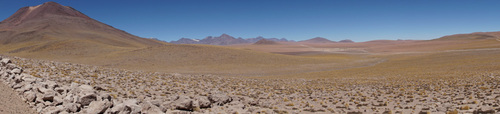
x: 359, y: 20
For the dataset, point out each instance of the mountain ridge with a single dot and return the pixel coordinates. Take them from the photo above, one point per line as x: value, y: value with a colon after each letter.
x: 225, y: 39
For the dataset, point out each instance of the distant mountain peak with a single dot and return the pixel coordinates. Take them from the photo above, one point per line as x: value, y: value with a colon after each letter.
x: 225, y: 36
x: 346, y: 41
x: 44, y: 10
x: 318, y: 40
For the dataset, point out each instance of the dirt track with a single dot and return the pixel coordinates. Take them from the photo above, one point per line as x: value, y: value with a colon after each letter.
x: 11, y: 103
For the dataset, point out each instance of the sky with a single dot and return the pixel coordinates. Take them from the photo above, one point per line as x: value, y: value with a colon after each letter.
x: 358, y: 20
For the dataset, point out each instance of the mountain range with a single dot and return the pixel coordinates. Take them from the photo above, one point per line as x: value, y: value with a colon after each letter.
x: 225, y: 39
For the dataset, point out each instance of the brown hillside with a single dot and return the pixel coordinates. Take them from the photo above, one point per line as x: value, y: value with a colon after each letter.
x: 53, y: 28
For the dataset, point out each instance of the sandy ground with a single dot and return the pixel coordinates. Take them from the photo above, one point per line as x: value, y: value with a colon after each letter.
x: 11, y: 103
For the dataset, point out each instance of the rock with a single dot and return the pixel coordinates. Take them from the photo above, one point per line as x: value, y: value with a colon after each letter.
x: 28, y: 78
x: 71, y: 107
x: 10, y: 66
x: 60, y: 90
x: 43, y: 90
x: 105, y: 96
x: 87, y: 99
x: 184, y: 103
x: 69, y: 99
x: 49, y: 96
x: 30, y: 96
x: 16, y: 71
x: 51, y: 84
x: 127, y: 107
x: 98, y: 107
x: 149, y: 108
x: 485, y: 110
x: 52, y: 110
x: 219, y: 99
x: 26, y: 87
x: 86, y: 88
x: 130, y: 102
x: 203, y: 102
x: 5, y: 61
x: 119, y: 108
x: 18, y: 86
x: 57, y: 100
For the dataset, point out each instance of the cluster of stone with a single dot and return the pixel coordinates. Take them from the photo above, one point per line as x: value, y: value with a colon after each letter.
x: 56, y: 87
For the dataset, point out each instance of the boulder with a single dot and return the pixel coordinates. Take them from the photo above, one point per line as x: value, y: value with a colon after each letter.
x: 98, y: 107
x: 11, y: 66
x: 30, y: 96
x: 26, y: 87
x: 150, y: 108
x: 16, y: 71
x: 127, y: 107
x: 85, y: 100
x: 105, y: 96
x: 52, y: 110
x: 219, y: 99
x: 184, y: 103
x: 49, y: 96
x: 203, y: 102
x: 86, y: 88
x: 5, y: 61
x: 69, y: 99
x: 51, y: 84
x: 71, y: 107
x: 60, y: 90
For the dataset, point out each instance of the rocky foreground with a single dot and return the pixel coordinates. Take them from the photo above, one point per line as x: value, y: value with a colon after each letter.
x: 55, y: 87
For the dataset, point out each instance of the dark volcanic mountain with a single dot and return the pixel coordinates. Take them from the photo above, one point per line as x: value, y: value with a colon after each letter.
x: 318, y: 40
x: 225, y: 39
x: 265, y: 42
x: 186, y: 41
x: 52, y: 27
x: 346, y: 41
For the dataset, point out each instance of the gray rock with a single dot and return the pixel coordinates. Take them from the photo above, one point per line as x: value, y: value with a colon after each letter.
x: 219, y: 99
x: 71, y: 107
x: 10, y: 66
x: 16, y: 71
x: 57, y: 100
x: 5, y: 61
x: 150, y: 108
x: 184, y: 103
x: 119, y: 109
x: 105, y: 96
x: 126, y: 108
x: 69, y: 99
x: 30, y: 96
x: 28, y: 78
x: 86, y: 88
x: 87, y: 99
x: 60, y: 90
x: 51, y: 84
x: 26, y: 87
x: 203, y: 102
x: 49, y: 96
x: 52, y: 110
x: 98, y: 107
